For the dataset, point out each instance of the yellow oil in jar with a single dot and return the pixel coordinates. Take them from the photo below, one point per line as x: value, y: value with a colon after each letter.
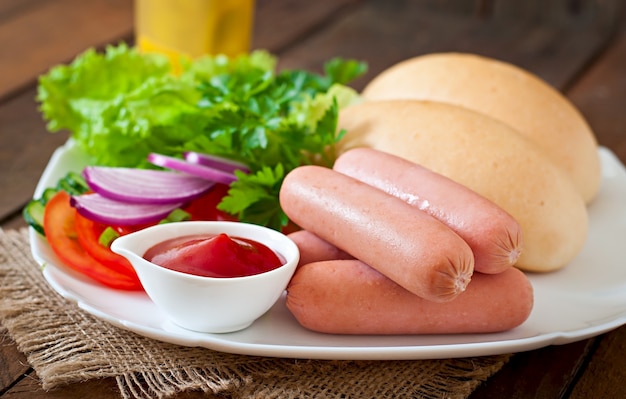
x: 194, y: 27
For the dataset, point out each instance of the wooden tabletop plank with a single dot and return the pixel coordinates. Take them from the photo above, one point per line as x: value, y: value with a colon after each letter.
x: 606, y: 372
x: 54, y: 32
x: 106, y: 388
x: 601, y: 14
x: 12, y: 361
x: 547, y: 372
x: 601, y: 97
x: 22, y: 132
x: 377, y: 34
x: 279, y: 24
x: 29, y: 388
x: 9, y: 9
x: 555, y: 53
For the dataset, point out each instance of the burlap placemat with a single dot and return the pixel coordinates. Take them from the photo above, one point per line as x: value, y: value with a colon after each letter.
x: 68, y: 345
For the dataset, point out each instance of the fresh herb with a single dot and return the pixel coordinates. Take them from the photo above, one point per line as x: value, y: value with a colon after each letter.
x: 177, y: 215
x: 254, y: 197
x: 122, y: 105
x: 108, y: 236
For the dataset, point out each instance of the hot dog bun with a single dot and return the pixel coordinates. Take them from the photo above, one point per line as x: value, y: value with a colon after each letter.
x: 506, y: 93
x: 488, y: 157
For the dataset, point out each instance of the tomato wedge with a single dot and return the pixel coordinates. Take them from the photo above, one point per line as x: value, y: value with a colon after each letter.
x: 60, y: 228
x: 205, y: 207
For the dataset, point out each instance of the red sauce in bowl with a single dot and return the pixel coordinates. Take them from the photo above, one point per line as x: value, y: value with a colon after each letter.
x: 214, y: 256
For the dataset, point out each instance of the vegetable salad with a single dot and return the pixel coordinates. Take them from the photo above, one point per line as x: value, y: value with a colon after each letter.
x: 122, y: 105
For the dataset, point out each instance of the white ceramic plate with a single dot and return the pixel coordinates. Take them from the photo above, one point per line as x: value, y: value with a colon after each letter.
x: 586, y: 298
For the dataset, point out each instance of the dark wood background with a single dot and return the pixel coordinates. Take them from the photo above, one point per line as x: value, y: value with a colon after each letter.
x: 578, y: 46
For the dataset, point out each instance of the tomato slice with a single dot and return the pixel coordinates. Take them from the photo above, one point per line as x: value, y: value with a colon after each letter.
x: 88, y: 234
x: 60, y: 229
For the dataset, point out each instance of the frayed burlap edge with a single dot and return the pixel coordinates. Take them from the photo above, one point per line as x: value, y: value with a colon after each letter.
x: 69, y: 345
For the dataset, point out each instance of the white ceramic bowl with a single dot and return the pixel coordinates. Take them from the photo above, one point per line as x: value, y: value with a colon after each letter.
x: 208, y: 304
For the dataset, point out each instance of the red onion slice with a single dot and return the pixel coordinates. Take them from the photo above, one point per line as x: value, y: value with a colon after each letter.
x: 213, y: 161
x: 144, y: 186
x: 216, y: 175
x: 104, y: 210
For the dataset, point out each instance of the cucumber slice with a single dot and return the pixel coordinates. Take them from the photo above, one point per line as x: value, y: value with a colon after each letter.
x: 33, y: 215
x: 33, y: 212
x: 73, y: 183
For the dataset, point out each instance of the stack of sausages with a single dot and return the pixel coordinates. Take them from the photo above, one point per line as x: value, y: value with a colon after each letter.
x: 391, y: 247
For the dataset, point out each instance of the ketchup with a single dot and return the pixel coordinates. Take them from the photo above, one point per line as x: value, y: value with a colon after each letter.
x: 214, y: 256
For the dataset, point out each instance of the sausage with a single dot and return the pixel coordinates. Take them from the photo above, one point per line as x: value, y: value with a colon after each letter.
x: 407, y: 245
x: 314, y: 249
x: 349, y: 297
x: 493, y: 234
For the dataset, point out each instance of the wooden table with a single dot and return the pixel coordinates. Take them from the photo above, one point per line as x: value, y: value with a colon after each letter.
x: 577, y: 46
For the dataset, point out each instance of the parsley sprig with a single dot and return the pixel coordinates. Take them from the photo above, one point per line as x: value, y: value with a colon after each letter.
x: 273, y: 123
